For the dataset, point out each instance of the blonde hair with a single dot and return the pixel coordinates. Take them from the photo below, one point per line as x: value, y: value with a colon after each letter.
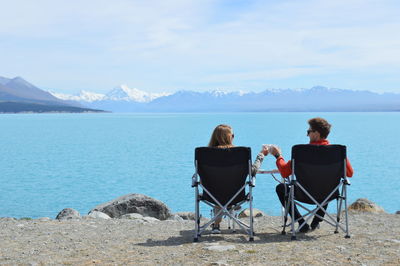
x: 221, y: 137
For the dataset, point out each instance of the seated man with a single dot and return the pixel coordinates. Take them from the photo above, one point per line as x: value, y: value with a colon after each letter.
x: 318, y: 132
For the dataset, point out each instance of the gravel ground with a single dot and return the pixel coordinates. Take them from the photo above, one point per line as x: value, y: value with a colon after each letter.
x: 375, y: 240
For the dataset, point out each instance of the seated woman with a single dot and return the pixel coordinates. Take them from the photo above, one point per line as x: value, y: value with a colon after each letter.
x: 222, y: 137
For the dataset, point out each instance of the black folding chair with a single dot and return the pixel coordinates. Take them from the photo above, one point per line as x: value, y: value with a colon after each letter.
x: 224, y: 175
x: 318, y: 177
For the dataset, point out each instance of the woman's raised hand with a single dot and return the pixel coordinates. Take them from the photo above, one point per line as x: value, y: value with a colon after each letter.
x: 264, y: 150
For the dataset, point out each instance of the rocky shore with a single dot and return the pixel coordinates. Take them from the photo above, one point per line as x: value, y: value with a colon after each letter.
x: 137, y: 239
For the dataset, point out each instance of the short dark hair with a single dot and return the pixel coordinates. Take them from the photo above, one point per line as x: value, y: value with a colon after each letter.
x: 321, y: 126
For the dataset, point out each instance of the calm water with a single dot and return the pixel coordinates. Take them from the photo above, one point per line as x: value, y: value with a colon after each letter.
x: 52, y: 161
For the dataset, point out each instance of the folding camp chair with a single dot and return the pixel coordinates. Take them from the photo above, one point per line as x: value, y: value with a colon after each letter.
x: 224, y: 175
x: 318, y: 177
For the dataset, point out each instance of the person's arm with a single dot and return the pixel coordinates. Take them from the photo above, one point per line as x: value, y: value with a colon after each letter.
x: 259, y: 159
x: 285, y: 168
x: 349, y: 169
x: 257, y: 163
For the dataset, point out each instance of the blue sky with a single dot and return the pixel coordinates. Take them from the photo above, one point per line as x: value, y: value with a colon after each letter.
x: 169, y: 45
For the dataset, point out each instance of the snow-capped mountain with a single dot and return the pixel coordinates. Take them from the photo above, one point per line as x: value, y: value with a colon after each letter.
x: 83, y: 96
x: 120, y: 93
x: 318, y: 98
x: 124, y: 93
x: 222, y: 93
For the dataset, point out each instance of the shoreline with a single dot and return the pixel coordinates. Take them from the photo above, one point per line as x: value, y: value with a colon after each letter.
x: 375, y: 241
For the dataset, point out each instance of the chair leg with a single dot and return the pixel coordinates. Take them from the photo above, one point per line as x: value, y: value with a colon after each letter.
x: 252, y: 234
x: 197, y: 215
x: 284, y: 227
x: 285, y: 218
x: 229, y: 221
x: 292, y: 209
x: 338, y: 207
x: 346, y: 213
x: 234, y: 224
x: 251, y: 215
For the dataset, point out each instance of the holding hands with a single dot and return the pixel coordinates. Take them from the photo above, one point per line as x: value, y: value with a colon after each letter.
x: 273, y: 149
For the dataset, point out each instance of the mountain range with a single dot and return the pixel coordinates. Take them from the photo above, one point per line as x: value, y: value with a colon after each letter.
x: 124, y: 99
x: 318, y: 98
x: 18, y: 95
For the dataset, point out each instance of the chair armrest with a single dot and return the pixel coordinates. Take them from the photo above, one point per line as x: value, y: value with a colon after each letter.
x: 262, y: 171
x: 195, y: 183
x: 252, y: 181
x: 346, y: 181
x: 271, y: 172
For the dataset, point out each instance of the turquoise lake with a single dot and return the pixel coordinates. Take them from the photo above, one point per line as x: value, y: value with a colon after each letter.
x: 53, y: 161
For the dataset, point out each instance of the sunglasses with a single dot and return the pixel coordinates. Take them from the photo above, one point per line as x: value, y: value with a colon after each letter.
x: 309, y: 131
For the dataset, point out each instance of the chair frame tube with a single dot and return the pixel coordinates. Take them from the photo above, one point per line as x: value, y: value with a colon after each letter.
x: 249, y: 229
x: 342, y: 197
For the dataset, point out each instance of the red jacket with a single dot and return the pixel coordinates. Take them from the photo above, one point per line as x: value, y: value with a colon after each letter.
x: 285, y: 168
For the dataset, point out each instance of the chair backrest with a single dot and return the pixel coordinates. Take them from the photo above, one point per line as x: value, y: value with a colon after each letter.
x: 223, y: 171
x: 319, y: 168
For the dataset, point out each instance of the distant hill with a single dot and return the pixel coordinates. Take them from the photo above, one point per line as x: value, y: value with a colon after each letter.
x: 18, y: 94
x: 22, y: 107
x: 317, y: 98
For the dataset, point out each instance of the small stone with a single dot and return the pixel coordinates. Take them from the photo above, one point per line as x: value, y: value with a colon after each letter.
x: 150, y: 219
x: 219, y: 263
x: 220, y: 248
x: 68, y: 214
x: 340, y: 248
x: 256, y: 213
x: 176, y: 217
x: 365, y: 205
x: 44, y: 219
x: 186, y: 215
x: 97, y: 214
x: 8, y: 219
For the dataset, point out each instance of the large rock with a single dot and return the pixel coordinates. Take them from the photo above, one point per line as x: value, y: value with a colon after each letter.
x: 246, y: 213
x: 134, y: 203
x: 68, y: 214
x: 365, y: 205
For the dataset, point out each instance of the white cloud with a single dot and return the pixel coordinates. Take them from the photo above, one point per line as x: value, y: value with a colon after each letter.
x: 157, y: 44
